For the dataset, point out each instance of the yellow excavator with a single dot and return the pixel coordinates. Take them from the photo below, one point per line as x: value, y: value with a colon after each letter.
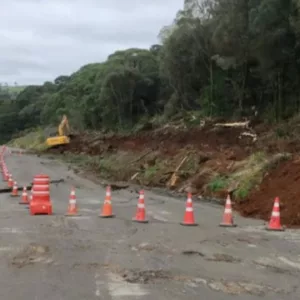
x: 63, y: 137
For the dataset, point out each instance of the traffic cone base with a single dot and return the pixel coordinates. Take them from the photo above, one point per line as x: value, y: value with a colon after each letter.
x: 140, y: 221
x: 68, y: 214
x: 106, y: 216
x: 188, y: 224
x: 227, y: 225
x: 275, y: 229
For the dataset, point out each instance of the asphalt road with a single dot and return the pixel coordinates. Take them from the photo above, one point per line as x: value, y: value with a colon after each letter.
x: 87, y: 257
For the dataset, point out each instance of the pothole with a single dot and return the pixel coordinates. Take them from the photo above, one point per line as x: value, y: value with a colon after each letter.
x: 192, y: 253
x: 32, y: 254
x: 272, y: 268
x: 238, y: 288
x: 224, y: 258
x: 144, y: 277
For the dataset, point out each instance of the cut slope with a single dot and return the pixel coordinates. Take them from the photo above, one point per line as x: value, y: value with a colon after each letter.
x: 284, y: 182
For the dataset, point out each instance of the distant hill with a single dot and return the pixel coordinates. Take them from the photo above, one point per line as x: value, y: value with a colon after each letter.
x: 15, y: 89
x: 10, y: 92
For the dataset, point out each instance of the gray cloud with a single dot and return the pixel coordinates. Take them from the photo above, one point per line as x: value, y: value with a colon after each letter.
x: 41, y: 39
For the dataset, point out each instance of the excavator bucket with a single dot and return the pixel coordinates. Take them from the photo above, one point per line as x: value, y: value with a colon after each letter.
x: 57, y: 140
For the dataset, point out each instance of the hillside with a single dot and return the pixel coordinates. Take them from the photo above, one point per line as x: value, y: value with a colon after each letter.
x: 149, y: 109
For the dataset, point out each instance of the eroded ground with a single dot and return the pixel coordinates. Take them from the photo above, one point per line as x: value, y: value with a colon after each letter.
x: 55, y: 257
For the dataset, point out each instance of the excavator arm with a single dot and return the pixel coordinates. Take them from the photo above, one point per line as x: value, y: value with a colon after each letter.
x: 63, y: 124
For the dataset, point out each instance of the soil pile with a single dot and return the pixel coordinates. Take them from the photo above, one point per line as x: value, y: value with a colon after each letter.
x: 284, y: 182
x: 168, y: 141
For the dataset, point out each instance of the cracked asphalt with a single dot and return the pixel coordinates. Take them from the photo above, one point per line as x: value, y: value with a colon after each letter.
x: 57, y: 257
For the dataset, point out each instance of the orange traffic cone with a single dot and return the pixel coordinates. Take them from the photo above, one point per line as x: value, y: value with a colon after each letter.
x: 24, y: 199
x: 29, y: 198
x: 188, y: 219
x: 140, y: 215
x: 72, y: 208
x: 10, y: 182
x: 14, y: 192
x: 227, y: 216
x: 274, y: 224
x: 107, y: 207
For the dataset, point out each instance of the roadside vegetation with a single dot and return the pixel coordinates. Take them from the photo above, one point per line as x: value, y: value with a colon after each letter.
x: 221, y: 58
x: 220, y: 61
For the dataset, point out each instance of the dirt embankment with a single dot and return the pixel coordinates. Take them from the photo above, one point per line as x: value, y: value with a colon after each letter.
x: 152, y: 157
x: 282, y: 182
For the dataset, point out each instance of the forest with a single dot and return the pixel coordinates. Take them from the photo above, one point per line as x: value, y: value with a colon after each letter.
x: 230, y: 59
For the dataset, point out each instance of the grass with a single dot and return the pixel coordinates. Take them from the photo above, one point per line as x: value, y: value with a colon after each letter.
x: 248, y: 175
x: 109, y: 166
x: 34, y: 140
x: 218, y: 183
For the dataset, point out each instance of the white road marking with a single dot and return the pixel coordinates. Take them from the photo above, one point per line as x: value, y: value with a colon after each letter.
x: 119, y: 288
x: 93, y: 201
x: 80, y: 217
x: 289, y: 262
x: 164, y: 212
x: 156, y: 216
x: 99, y: 284
x: 88, y: 210
x: 11, y: 230
x: 8, y: 248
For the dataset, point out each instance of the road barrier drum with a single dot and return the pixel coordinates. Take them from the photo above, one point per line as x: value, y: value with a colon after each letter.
x: 41, y: 202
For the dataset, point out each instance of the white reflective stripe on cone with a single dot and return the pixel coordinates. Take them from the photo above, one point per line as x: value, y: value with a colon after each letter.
x: 228, y: 210
x: 189, y: 209
x: 40, y: 193
x: 140, y: 205
x: 45, y: 186
x: 276, y: 204
x: 276, y: 214
x: 72, y: 201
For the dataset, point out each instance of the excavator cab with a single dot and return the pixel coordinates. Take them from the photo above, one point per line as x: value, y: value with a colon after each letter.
x: 63, y: 136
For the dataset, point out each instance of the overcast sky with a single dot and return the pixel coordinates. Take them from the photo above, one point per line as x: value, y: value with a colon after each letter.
x: 41, y: 39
